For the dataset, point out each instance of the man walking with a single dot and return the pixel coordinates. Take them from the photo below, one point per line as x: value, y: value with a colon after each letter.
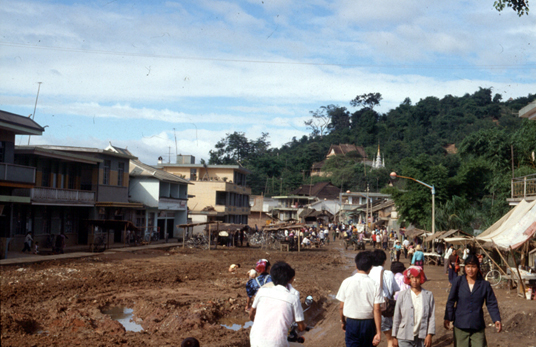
x: 275, y: 309
x: 360, y: 300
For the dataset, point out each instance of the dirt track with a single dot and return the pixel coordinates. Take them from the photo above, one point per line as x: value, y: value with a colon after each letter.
x: 177, y: 293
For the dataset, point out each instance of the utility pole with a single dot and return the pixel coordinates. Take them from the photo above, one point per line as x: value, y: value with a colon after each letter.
x: 366, y: 216
x: 35, y: 106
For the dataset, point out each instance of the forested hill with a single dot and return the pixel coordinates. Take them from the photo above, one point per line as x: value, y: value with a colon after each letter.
x: 413, y: 139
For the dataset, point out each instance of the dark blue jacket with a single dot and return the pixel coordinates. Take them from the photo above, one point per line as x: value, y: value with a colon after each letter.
x: 468, y: 314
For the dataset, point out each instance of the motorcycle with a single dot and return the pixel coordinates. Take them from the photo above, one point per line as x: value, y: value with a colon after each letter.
x: 293, y: 332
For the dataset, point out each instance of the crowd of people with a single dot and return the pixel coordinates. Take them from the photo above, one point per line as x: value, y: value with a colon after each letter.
x: 375, y: 303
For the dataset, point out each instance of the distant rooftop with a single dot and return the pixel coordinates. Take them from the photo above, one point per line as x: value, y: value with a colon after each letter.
x: 528, y: 111
x: 235, y: 167
x: 88, y: 150
x: 19, y: 124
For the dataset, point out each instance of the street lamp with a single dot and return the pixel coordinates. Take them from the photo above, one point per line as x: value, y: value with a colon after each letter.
x: 432, y: 188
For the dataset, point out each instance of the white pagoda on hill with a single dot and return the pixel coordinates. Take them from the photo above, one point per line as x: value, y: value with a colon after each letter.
x: 378, y: 162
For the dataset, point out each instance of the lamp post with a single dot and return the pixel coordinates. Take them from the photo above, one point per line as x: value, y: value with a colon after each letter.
x: 432, y: 188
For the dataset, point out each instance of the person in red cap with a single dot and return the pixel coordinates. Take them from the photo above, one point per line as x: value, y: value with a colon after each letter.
x: 414, y: 318
x: 254, y: 284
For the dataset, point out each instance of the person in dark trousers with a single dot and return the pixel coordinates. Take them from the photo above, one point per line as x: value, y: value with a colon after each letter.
x: 241, y: 238
x: 465, y: 306
x: 275, y: 309
x: 27, y: 243
x: 360, y: 299
x: 454, y: 266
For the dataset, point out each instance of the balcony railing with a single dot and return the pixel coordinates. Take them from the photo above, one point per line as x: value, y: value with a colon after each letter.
x: 44, y: 194
x: 17, y: 173
x: 523, y: 187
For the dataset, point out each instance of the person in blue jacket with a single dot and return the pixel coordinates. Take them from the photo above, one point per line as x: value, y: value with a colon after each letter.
x: 465, y: 306
x: 418, y: 257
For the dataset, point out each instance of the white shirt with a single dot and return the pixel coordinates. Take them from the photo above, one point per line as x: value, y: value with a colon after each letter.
x: 465, y: 253
x: 448, y: 253
x: 277, y: 308
x: 389, y: 283
x: 405, y: 243
x: 359, y: 294
x: 28, y: 239
x: 306, y: 241
x: 416, y: 300
x: 321, y: 234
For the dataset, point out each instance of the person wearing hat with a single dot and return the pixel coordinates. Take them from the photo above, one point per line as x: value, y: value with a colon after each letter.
x: 414, y: 318
x: 418, y: 257
x: 253, y: 285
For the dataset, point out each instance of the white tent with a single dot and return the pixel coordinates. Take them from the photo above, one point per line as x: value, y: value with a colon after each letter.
x: 514, y: 230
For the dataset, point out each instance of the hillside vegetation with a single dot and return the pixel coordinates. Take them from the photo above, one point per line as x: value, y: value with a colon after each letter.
x: 472, y: 184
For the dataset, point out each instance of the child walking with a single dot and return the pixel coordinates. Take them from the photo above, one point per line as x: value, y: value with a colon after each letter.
x: 414, y: 318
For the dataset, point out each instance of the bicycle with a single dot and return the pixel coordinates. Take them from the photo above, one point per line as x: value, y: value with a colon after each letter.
x: 492, y: 276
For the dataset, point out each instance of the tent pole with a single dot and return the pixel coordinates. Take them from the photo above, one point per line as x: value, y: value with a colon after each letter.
x: 518, y: 273
x: 498, y: 267
x: 183, y: 236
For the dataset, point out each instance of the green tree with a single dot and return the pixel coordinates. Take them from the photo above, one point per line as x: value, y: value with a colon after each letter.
x: 521, y: 7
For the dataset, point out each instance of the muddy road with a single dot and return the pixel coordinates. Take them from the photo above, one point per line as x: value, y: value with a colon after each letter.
x: 175, y: 293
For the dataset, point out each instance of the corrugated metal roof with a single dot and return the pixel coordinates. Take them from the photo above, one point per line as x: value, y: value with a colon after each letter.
x: 139, y: 169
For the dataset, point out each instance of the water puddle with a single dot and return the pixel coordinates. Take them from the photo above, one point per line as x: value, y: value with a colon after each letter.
x: 235, y: 323
x: 124, y: 316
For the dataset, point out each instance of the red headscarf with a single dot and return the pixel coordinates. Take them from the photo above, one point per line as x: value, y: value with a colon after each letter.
x: 262, y: 265
x: 414, y: 271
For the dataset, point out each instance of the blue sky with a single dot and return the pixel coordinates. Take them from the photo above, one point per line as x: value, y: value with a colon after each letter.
x: 139, y: 73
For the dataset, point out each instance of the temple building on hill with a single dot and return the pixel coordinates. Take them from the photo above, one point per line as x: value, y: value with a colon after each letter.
x: 341, y: 149
x: 378, y: 162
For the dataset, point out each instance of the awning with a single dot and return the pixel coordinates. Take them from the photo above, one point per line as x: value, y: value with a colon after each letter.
x: 514, y: 231
x: 437, y: 235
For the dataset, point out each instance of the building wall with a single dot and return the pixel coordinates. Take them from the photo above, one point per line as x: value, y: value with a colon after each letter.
x: 112, y: 194
x: 144, y: 190
x: 205, y: 195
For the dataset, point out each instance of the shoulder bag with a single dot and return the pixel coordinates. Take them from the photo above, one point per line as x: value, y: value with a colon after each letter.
x: 388, y: 307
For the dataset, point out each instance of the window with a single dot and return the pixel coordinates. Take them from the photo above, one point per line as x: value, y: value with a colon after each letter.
x: 221, y: 198
x: 193, y: 174
x: 106, y: 172
x: 45, y: 175
x: 71, y: 184
x: 2, y: 151
x: 120, y: 173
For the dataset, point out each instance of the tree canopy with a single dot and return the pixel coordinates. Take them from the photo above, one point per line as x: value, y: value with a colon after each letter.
x: 461, y: 145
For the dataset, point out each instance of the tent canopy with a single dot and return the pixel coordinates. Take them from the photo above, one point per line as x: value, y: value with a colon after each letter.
x: 514, y: 229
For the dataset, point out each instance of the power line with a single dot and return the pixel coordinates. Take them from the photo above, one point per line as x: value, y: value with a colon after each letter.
x: 163, y: 56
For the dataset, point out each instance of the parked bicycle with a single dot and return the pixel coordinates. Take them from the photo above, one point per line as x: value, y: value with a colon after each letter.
x: 492, y: 275
x: 197, y: 241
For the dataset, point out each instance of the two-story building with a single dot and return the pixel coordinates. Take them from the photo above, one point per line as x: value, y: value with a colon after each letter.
x: 108, y: 179
x: 163, y: 195
x: 289, y: 207
x: 354, y: 204
x: 63, y: 196
x: 12, y: 175
x: 219, y: 192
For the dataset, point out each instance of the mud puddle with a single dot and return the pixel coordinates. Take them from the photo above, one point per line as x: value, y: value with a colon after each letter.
x: 235, y: 323
x: 124, y: 316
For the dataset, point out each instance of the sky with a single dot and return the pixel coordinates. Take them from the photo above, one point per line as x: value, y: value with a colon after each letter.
x: 174, y: 77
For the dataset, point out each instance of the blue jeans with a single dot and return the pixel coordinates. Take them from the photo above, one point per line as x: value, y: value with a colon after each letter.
x: 359, y: 332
